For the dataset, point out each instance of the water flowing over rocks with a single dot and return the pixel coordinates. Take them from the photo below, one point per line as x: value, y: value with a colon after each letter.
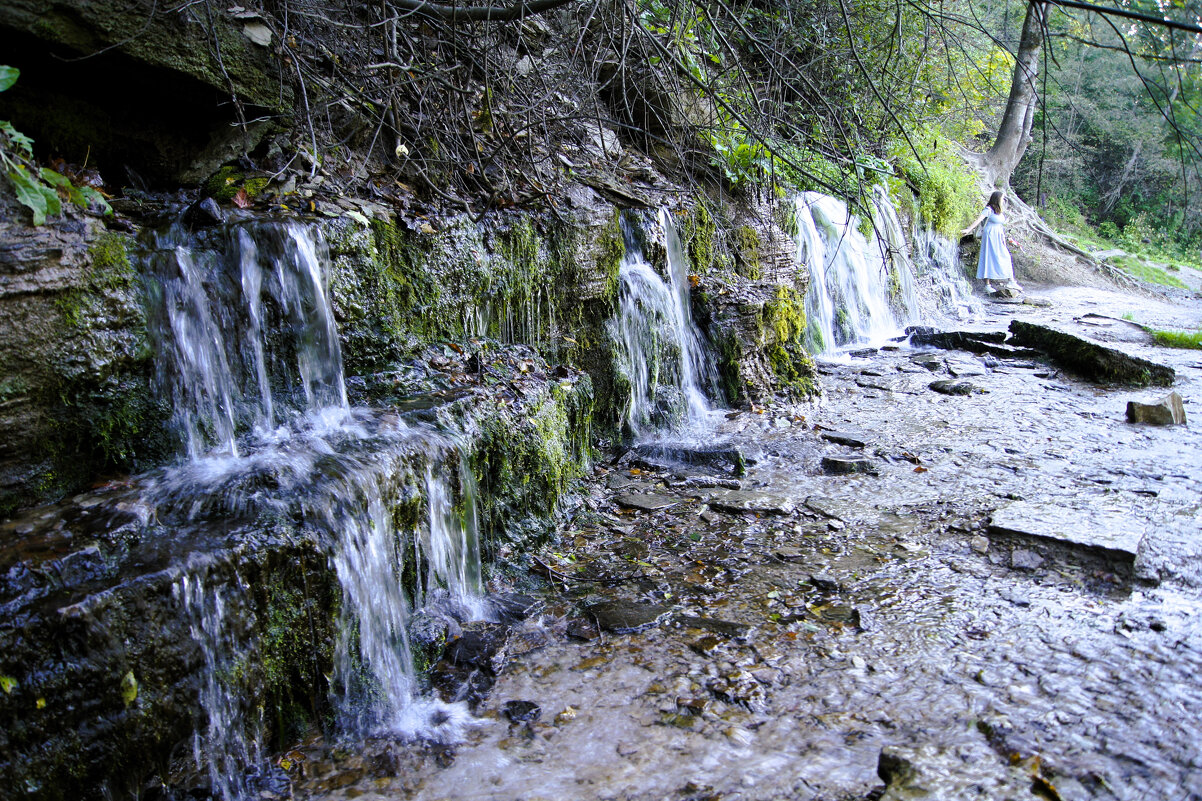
x: 759, y: 603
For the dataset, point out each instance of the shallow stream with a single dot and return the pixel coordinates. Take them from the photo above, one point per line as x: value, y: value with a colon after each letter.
x: 788, y: 633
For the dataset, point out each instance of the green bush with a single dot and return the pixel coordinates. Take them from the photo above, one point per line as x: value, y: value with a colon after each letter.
x: 947, y: 195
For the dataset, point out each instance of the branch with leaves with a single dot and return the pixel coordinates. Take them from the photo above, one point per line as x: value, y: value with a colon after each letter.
x: 39, y: 190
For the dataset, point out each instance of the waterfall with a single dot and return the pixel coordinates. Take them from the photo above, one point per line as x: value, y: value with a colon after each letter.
x: 659, y: 348
x: 215, y: 307
x: 224, y: 743
x: 375, y: 669
x: 937, y: 262
x: 249, y: 359
x: 852, y: 281
x: 864, y: 291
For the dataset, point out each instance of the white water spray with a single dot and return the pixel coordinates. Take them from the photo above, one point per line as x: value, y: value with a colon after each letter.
x: 660, y: 350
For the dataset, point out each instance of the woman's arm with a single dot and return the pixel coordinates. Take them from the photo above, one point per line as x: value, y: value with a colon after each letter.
x: 976, y: 222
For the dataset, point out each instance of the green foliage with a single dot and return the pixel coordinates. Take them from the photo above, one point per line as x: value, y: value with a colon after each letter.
x: 40, y: 191
x: 947, y: 194
x: 1179, y: 339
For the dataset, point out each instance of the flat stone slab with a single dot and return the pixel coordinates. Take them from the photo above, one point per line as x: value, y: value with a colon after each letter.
x: 1089, y: 359
x: 649, y: 502
x: 845, y: 438
x: 833, y: 465
x: 751, y: 501
x: 1109, y: 533
x: 624, y: 617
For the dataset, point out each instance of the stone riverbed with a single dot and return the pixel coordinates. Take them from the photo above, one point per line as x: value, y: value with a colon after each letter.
x: 999, y: 600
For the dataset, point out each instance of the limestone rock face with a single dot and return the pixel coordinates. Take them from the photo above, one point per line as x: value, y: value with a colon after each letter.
x: 138, y: 90
x: 74, y: 357
x: 1170, y: 411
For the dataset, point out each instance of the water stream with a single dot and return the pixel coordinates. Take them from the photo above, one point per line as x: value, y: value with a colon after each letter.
x: 249, y: 359
x: 864, y: 290
x: 659, y: 348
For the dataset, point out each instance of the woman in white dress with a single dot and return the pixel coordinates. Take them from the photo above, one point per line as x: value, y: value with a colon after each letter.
x: 994, y: 263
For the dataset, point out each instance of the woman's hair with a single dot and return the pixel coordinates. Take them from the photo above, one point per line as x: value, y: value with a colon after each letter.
x: 995, y: 201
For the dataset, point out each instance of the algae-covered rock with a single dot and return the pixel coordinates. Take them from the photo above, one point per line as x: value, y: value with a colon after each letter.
x: 75, y: 360
x: 1089, y: 359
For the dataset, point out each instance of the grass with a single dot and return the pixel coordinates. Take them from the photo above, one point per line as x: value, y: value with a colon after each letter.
x: 1179, y: 339
x: 1146, y: 272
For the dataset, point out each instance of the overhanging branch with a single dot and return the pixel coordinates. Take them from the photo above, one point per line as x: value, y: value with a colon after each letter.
x: 457, y: 13
x: 1110, y: 11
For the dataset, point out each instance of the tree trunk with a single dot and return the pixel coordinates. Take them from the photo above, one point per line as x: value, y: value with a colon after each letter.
x: 1014, y: 134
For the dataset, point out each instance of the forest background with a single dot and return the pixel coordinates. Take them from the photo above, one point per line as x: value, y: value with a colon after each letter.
x: 752, y: 96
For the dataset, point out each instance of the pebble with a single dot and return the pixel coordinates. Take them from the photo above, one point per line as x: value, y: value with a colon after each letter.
x: 1025, y: 559
x: 980, y: 544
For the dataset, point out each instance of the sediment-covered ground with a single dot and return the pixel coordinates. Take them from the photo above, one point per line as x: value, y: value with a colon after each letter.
x: 998, y: 601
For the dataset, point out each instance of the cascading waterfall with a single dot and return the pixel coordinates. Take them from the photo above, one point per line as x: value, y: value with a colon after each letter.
x: 225, y: 742
x: 865, y: 291
x: 249, y: 359
x: 852, y: 281
x: 213, y: 310
x: 659, y: 349
x: 937, y: 263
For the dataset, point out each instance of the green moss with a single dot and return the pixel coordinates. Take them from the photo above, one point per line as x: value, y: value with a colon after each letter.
x: 699, y: 234
x: 612, y: 249
x: 223, y: 184
x: 784, y: 316
x: 255, y: 186
x: 747, y: 252
x: 730, y: 373
x: 794, y: 368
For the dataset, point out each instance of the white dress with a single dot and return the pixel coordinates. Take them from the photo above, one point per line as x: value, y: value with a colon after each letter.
x: 994, y: 262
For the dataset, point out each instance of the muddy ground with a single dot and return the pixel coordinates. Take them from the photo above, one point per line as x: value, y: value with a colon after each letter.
x: 1003, y: 605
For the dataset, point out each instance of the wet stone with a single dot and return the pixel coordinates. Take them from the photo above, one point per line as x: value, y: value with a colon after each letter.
x: 824, y: 582
x: 844, y: 438
x: 582, y: 630
x: 1110, y: 534
x: 946, y: 387
x: 1169, y: 411
x: 521, y: 711
x: 836, y: 466
x: 725, y: 628
x: 751, y: 501
x: 624, y: 617
x: 1089, y: 359
x: 649, y: 502
x: 930, y: 361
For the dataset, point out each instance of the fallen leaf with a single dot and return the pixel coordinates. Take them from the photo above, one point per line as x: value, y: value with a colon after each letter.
x: 241, y: 199
x: 920, y: 469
